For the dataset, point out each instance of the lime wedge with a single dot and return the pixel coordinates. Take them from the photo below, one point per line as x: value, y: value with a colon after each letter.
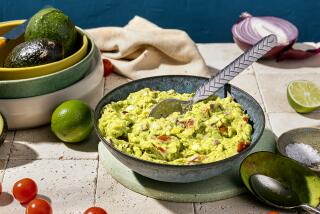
x: 303, y: 96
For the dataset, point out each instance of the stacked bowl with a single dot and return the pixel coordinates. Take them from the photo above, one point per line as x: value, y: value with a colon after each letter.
x: 28, y: 95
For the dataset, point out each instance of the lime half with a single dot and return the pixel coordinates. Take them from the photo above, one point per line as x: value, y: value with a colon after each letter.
x: 303, y: 96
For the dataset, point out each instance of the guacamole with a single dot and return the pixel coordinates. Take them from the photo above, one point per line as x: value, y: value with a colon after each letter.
x: 212, y: 130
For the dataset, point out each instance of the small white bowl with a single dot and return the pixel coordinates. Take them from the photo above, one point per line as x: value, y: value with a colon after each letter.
x: 36, y: 111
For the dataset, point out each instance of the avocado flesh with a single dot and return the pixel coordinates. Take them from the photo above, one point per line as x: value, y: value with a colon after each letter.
x: 33, y: 53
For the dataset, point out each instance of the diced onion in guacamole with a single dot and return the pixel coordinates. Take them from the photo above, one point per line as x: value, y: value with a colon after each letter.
x: 213, y: 130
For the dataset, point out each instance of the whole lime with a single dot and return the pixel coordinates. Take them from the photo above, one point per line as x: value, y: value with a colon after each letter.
x: 52, y: 24
x: 72, y: 121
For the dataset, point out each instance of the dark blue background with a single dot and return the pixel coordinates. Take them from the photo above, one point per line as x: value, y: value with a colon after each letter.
x: 204, y: 20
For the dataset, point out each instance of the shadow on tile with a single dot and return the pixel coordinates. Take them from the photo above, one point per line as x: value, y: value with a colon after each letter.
x: 44, y: 197
x: 32, y: 154
x: 177, y: 207
x: 313, y: 115
x: 313, y: 61
x: 88, y: 145
x: 5, y: 199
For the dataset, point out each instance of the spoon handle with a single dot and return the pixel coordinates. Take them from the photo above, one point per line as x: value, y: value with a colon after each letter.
x: 235, y: 67
x: 309, y: 209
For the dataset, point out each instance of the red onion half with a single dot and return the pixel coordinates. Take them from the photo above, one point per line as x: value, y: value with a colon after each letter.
x: 249, y: 30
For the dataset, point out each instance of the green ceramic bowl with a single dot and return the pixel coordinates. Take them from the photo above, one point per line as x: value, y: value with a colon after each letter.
x: 307, y: 135
x: 45, y: 84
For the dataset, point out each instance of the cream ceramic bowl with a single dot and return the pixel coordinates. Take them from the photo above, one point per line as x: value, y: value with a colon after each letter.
x: 36, y: 111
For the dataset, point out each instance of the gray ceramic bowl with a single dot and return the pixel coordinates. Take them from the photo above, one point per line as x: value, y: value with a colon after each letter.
x: 36, y: 86
x: 183, y: 173
x: 310, y: 136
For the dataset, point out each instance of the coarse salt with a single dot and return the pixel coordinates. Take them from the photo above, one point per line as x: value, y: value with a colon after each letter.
x: 303, y: 153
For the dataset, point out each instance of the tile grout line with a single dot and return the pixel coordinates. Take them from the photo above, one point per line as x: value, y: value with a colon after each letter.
x: 194, y: 208
x: 8, y: 158
x: 262, y: 98
x: 96, y: 182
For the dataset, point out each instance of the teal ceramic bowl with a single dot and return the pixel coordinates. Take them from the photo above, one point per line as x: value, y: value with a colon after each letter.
x: 181, y: 173
x: 12, y: 89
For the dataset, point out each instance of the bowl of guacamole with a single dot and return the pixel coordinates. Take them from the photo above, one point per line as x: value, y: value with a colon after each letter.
x: 205, y: 141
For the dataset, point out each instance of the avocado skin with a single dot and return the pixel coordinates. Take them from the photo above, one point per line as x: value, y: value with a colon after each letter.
x: 35, y: 52
x: 53, y: 24
x: 4, y: 131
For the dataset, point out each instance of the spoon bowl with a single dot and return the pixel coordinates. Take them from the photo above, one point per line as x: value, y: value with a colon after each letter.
x: 277, y: 194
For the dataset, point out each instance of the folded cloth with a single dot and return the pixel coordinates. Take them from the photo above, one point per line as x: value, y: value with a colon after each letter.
x: 142, y: 49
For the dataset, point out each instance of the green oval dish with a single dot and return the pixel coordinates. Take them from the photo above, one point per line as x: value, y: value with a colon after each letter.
x: 301, y: 179
x: 45, y: 84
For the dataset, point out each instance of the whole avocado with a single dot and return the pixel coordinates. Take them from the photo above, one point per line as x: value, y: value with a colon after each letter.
x: 52, y: 24
x: 34, y: 52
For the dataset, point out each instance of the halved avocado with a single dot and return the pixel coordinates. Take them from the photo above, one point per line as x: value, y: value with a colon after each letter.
x: 3, y: 129
x: 34, y: 52
x: 301, y: 179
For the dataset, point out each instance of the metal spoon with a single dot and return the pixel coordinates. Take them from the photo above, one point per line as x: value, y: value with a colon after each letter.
x: 276, y: 194
x: 168, y: 106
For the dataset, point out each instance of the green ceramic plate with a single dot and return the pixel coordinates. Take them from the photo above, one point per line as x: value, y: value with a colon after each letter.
x: 301, y: 179
x: 31, y: 87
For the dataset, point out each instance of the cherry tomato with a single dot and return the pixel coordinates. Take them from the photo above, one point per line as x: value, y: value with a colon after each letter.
x: 95, y: 210
x: 39, y: 206
x: 163, y: 137
x: 25, y: 190
x: 242, y: 146
x: 108, y: 67
x: 273, y: 212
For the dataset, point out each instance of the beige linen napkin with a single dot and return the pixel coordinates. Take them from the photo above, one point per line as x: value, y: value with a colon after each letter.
x: 142, y: 49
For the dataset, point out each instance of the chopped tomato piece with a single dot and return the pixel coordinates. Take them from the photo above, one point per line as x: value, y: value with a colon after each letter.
x: 108, y: 67
x: 163, y: 137
x: 160, y: 148
x: 241, y: 146
x: 223, y: 129
x: 246, y: 119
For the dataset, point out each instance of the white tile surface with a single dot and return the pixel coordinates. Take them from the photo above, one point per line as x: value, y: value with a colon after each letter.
x: 217, y: 56
x: 40, y: 143
x: 243, y: 204
x: 2, y: 169
x: 68, y: 184
x: 282, y: 122
x: 273, y: 88
x: 115, y: 198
